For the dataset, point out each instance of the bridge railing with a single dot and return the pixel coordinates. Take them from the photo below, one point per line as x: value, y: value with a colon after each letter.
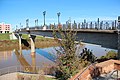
x: 101, y: 25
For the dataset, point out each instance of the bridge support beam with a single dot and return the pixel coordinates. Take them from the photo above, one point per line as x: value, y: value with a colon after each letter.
x: 32, y: 39
x: 20, y: 44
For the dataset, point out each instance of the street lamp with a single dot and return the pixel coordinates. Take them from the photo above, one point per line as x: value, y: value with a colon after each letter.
x: 98, y: 23
x: 16, y: 27
x: 35, y: 22
x: 27, y: 21
x: 58, y: 14
x: 44, y: 16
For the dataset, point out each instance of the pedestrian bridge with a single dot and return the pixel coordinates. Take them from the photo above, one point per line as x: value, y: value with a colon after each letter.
x: 105, y: 38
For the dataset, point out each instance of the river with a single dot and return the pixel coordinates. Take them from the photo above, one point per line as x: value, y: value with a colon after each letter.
x: 44, y: 56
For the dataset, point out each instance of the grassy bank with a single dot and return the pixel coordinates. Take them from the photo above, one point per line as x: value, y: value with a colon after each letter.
x: 40, y: 42
x: 5, y: 36
x: 25, y: 36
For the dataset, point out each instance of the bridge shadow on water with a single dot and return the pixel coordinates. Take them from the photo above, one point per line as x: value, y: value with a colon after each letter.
x: 47, y: 55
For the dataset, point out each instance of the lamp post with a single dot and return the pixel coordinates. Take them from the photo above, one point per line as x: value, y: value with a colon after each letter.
x: 98, y: 23
x: 16, y: 27
x: 37, y: 22
x: 58, y: 14
x: 27, y: 21
x: 44, y: 13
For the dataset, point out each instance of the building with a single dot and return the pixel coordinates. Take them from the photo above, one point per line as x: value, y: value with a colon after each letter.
x: 5, y: 28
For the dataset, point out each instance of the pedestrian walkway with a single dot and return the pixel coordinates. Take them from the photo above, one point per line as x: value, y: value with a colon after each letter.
x: 10, y: 76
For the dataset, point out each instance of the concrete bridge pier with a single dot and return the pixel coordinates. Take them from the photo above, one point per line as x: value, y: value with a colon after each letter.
x: 20, y: 44
x: 32, y: 39
x: 33, y: 56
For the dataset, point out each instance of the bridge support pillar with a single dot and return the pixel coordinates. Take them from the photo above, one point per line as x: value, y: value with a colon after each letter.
x: 33, y: 55
x: 32, y: 39
x: 20, y: 44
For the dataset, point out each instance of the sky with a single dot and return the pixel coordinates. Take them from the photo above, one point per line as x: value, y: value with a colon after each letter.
x: 17, y: 11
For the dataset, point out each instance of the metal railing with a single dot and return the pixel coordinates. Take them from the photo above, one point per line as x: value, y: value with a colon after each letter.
x: 93, y: 25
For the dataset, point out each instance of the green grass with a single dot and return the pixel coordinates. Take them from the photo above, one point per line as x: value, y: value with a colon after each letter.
x: 5, y: 36
x: 25, y: 36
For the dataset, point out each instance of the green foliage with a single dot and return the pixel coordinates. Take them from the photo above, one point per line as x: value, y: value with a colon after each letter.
x: 87, y: 55
x: 109, y: 55
x: 68, y: 62
x: 5, y: 36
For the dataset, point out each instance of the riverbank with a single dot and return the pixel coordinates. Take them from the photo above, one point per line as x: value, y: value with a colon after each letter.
x: 14, y: 44
x: 40, y: 42
x: 5, y: 36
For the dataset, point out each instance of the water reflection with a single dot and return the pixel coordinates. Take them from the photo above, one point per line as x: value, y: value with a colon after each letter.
x: 44, y: 57
x: 97, y: 50
x: 47, y: 54
x: 26, y: 66
x: 7, y: 59
x: 4, y: 55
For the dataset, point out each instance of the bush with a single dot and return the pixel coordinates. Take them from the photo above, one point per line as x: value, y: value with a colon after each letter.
x: 110, y: 55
